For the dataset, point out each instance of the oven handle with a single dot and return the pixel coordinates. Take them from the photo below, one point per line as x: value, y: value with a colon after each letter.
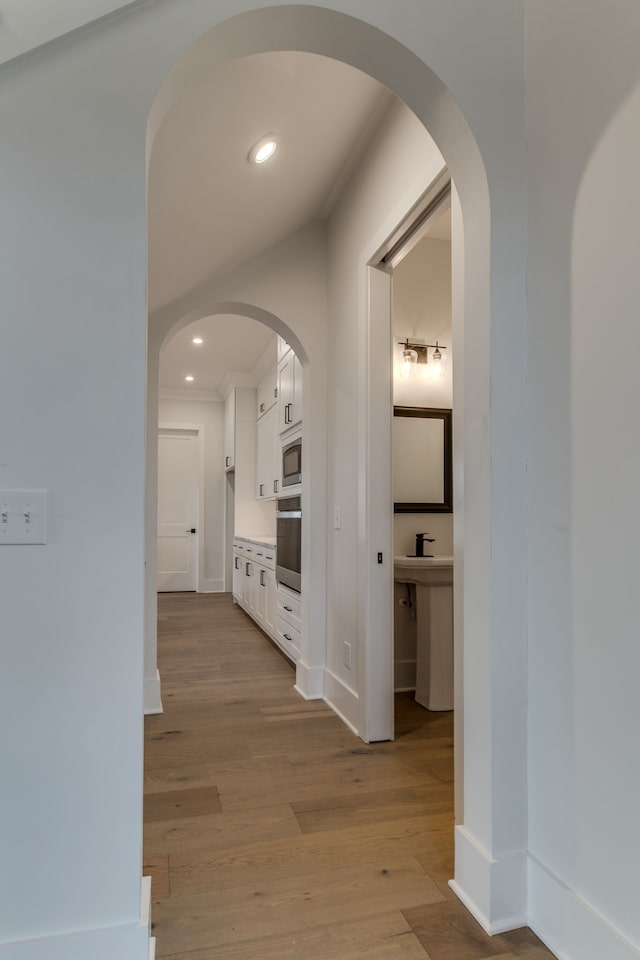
x: 290, y: 514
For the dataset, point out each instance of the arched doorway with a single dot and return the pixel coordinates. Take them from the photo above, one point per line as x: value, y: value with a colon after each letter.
x: 493, y: 767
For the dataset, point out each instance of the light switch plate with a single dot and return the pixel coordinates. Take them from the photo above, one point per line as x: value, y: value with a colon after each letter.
x: 23, y: 516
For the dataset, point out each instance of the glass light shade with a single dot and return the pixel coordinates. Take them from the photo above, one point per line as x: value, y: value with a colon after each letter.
x: 435, y: 366
x: 409, y: 363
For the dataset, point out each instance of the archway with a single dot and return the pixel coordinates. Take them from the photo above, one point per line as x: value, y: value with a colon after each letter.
x: 493, y: 756
x: 309, y: 667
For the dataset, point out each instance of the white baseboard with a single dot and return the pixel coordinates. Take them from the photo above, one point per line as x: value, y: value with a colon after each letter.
x: 126, y: 942
x: 145, y: 914
x: 152, y: 698
x: 211, y: 586
x: 309, y: 681
x: 494, y: 891
x: 343, y: 701
x: 571, y: 927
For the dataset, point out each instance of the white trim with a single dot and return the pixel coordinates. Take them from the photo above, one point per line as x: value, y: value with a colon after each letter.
x: 199, y: 430
x: 309, y: 681
x: 233, y: 378
x: 212, y: 586
x: 342, y: 717
x: 494, y: 891
x: 375, y: 406
x: 195, y: 395
x: 558, y: 915
x: 337, y: 692
x: 130, y: 941
x: 152, y: 698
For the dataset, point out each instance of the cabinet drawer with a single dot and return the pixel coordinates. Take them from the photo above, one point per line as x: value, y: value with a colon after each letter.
x: 289, y: 638
x: 264, y: 557
x: 290, y: 609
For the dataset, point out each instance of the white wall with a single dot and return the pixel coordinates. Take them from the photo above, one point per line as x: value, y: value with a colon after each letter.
x: 73, y: 276
x: 583, y: 107
x: 402, y: 158
x: 210, y: 415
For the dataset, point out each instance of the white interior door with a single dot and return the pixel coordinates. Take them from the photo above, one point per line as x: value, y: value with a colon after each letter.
x: 177, y: 511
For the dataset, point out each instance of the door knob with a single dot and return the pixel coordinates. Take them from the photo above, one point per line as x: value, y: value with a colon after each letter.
x: 192, y: 530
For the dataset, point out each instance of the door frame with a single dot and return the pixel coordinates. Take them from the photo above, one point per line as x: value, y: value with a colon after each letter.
x: 196, y: 430
x: 376, y: 412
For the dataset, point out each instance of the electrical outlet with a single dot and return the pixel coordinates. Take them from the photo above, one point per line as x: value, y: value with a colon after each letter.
x: 337, y: 518
x: 347, y: 655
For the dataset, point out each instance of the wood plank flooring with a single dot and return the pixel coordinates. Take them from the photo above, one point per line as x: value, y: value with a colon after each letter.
x: 272, y: 833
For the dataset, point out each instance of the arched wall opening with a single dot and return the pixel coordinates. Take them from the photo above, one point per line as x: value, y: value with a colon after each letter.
x: 309, y: 667
x: 489, y: 662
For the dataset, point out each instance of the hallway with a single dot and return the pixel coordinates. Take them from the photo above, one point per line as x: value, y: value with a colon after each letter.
x: 272, y: 833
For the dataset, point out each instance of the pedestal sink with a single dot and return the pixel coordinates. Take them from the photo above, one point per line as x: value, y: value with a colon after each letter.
x: 433, y: 577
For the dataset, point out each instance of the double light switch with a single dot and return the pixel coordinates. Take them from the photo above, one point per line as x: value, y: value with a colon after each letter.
x: 23, y: 516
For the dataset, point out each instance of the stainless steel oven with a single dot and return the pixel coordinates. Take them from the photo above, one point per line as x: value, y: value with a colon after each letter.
x: 292, y: 463
x: 289, y: 542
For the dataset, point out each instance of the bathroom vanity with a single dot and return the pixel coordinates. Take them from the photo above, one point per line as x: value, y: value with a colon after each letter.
x: 433, y: 581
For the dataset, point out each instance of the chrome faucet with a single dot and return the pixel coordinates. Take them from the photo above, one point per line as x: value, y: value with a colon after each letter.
x: 420, y: 539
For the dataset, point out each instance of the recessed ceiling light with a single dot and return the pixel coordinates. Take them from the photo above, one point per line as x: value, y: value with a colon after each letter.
x: 197, y: 340
x: 189, y: 377
x: 264, y: 149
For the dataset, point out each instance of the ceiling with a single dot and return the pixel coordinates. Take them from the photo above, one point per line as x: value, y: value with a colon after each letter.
x: 231, y: 343
x: 210, y: 209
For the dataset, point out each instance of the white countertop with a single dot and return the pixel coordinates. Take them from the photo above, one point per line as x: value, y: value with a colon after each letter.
x: 266, y: 540
x: 441, y: 561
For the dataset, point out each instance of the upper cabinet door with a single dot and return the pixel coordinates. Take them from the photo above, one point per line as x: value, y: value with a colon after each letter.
x: 289, y: 392
x: 267, y: 391
x: 283, y: 348
x: 297, y: 390
x: 230, y: 431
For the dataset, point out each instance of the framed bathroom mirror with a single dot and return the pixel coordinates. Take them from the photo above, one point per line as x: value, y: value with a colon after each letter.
x: 422, y: 460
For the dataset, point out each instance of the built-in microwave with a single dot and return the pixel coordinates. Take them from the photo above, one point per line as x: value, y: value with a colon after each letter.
x: 292, y: 462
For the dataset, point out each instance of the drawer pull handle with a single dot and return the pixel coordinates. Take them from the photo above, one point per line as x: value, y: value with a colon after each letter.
x: 287, y: 637
x: 288, y: 609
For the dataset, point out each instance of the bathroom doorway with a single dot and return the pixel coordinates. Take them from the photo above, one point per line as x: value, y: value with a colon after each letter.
x: 422, y: 394
x: 411, y: 343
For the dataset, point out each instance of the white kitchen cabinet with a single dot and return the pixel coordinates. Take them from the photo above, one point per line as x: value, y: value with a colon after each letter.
x: 289, y: 392
x: 230, y: 431
x: 266, y: 592
x: 255, y: 588
x: 239, y: 425
x: 238, y: 573
x: 271, y: 591
x: 268, y: 456
x: 282, y: 348
x: 288, y: 621
x: 267, y: 391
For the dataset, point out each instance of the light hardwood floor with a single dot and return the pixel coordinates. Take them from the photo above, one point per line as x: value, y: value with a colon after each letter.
x: 272, y: 833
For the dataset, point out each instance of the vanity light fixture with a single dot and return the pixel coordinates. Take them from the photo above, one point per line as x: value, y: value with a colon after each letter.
x: 415, y: 353
x: 197, y: 340
x: 264, y: 149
